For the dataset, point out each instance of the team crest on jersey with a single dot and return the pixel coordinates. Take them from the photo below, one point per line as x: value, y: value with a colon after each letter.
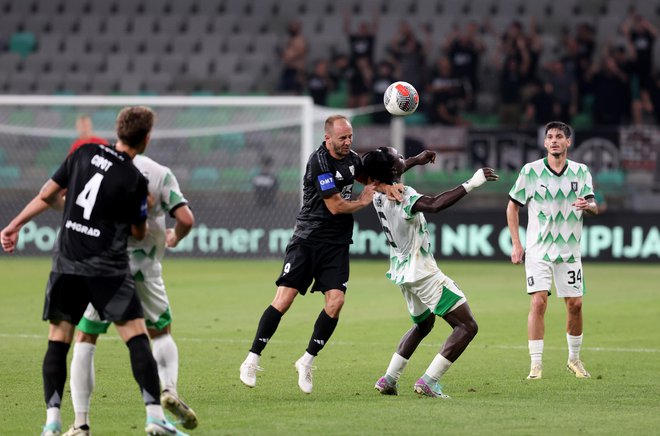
x: 338, y: 176
x: 574, y: 186
x: 351, y: 168
x: 530, y: 281
x: 378, y: 202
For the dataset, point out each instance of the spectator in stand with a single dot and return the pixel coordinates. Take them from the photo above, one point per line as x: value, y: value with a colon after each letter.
x: 654, y: 96
x: 585, y: 39
x: 541, y: 107
x: 360, y: 77
x: 293, y: 60
x: 610, y: 88
x: 513, y: 71
x: 562, y: 78
x: 408, y: 54
x: 382, y: 79
x: 320, y: 83
x: 448, y: 94
x: 464, y: 49
x: 641, y: 35
x: 363, y: 41
x: 85, y: 129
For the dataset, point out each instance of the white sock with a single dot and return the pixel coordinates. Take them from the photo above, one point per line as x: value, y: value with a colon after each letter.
x: 438, y: 367
x: 396, y: 367
x: 252, y: 358
x: 307, y: 359
x: 155, y: 411
x: 53, y: 415
x: 166, y: 355
x: 536, y: 351
x: 82, y: 380
x: 574, y: 345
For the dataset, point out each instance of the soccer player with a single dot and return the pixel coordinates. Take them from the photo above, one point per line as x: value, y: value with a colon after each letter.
x: 558, y: 192
x: 85, y: 130
x: 106, y: 201
x: 427, y: 290
x: 318, y: 249
x: 145, y: 264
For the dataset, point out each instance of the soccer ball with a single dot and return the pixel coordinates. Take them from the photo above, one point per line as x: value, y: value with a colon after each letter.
x: 401, y: 98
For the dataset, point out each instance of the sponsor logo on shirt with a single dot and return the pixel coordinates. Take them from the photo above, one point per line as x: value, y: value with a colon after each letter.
x: 338, y: 176
x: 81, y: 228
x: 326, y: 181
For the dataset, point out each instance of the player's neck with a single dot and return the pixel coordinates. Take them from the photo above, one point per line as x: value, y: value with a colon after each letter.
x: 557, y: 163
x: 132, y: 152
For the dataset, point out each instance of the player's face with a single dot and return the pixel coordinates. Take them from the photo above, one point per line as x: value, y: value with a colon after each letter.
x: 556, y: 143
x: 339, y: 139
x: 399, y: 162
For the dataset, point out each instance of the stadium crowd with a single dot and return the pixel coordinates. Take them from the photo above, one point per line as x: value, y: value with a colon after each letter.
x: 606, y: 82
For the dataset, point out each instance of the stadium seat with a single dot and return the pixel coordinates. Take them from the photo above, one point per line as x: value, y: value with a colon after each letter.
x: 36, y: 24
x: 103, y: 44
x: 10, y: 62
x: 48, y: 8
x: 144, y: 65
x: 158, y: 83
x: 186, y: 44
x: 127, y: 7
x: 142, y: 25
x: 105, y: 83
x: 179, y: 7
x: 157, y: 44
x: 77, y: 83
x: 22, y: 83
x: 75, y: 8
x: 170, y: 25
x: 49, y: 83
x: 133, y: 44
x: 197, y: 25
x: 22, y: 43
x: 90, y: 25
x: 36, y: 62
x: 209, y: 8
x: 171, y: 63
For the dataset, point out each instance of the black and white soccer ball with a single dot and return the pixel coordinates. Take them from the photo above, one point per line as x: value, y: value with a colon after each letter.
x: 401, y: 98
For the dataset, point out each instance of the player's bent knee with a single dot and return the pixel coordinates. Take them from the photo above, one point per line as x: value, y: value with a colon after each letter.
x: 86, y: 338
x: 131, y: 328
x: 472, y: 328
x: 426, y: 326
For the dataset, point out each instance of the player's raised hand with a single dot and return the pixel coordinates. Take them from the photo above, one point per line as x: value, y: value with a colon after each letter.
x: 393, y: 192
x: 490, y: 174
x: 367, y: 194
x: 427, y: 156
x: 9, y: 238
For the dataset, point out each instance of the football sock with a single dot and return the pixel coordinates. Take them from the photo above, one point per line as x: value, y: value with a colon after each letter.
x: 574, y: 345
x: 53, y: 415
x: 155, y: 411
x: 436, y: 369
x: 144, y: 369
x: 54, y: 372
x: 307, y: 359
x: 82, y: 380
x: 323, y: 329
x: 167, y: 358
x: 536, y: 351
x: 266, y: 329
x: 396, y: 367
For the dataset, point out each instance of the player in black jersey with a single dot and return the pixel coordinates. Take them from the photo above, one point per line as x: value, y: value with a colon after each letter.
x: 318, y: 249
x: 105, y: 201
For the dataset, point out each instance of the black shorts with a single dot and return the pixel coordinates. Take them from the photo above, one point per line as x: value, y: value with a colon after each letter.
x: 114, y: 297
x: 325, y: 264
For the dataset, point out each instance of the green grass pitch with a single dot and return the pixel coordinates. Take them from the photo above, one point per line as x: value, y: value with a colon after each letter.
x: 216, y: 306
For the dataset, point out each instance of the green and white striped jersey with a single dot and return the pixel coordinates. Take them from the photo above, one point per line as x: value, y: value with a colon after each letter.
x: 554, y: 226
x: 408, y: 236
x: 145, y: 255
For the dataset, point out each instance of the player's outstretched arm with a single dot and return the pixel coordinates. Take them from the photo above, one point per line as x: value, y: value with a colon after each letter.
x: 337, y: 205
x: 449, y: 198
x: 425, y: 157
x: 49, y: 195
x: 184, y: 223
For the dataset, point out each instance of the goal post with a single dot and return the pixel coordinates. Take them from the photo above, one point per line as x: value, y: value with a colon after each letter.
x: 239, y: 161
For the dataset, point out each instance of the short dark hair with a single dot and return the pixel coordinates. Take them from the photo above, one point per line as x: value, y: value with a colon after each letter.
x: 378, y: 165
x: 133, y: 125
x: 565, y: 128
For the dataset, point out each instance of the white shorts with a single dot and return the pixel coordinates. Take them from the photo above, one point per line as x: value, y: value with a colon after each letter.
x: 436, y: 294
x: 155, y: 305
x: 568, y: 277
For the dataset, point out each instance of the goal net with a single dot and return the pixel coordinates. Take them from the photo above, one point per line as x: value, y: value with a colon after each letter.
x: 239, y: 161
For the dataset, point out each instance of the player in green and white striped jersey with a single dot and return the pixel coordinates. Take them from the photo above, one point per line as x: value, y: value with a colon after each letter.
x: 557, y: 193
x: 427, y: 291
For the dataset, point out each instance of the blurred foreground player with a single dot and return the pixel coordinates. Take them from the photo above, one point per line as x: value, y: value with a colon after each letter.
x: 106, y: 201
x: 145, y: 263
x: 427, y: 291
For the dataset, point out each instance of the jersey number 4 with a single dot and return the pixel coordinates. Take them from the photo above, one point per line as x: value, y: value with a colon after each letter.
x: 87, y: 197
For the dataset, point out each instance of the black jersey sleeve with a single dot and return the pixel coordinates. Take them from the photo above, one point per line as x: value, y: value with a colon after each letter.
x: 138, y: 201
x: 62, y: 174
x: 322, y: 176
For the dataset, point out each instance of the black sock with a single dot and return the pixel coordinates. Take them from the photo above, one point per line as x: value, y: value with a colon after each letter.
x: 267, y: 326
x: 323, y: 329
x: 54, y: 372
x: 144, y: 368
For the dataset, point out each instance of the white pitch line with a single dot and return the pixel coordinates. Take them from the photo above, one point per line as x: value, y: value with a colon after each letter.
x: 350, y: 344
